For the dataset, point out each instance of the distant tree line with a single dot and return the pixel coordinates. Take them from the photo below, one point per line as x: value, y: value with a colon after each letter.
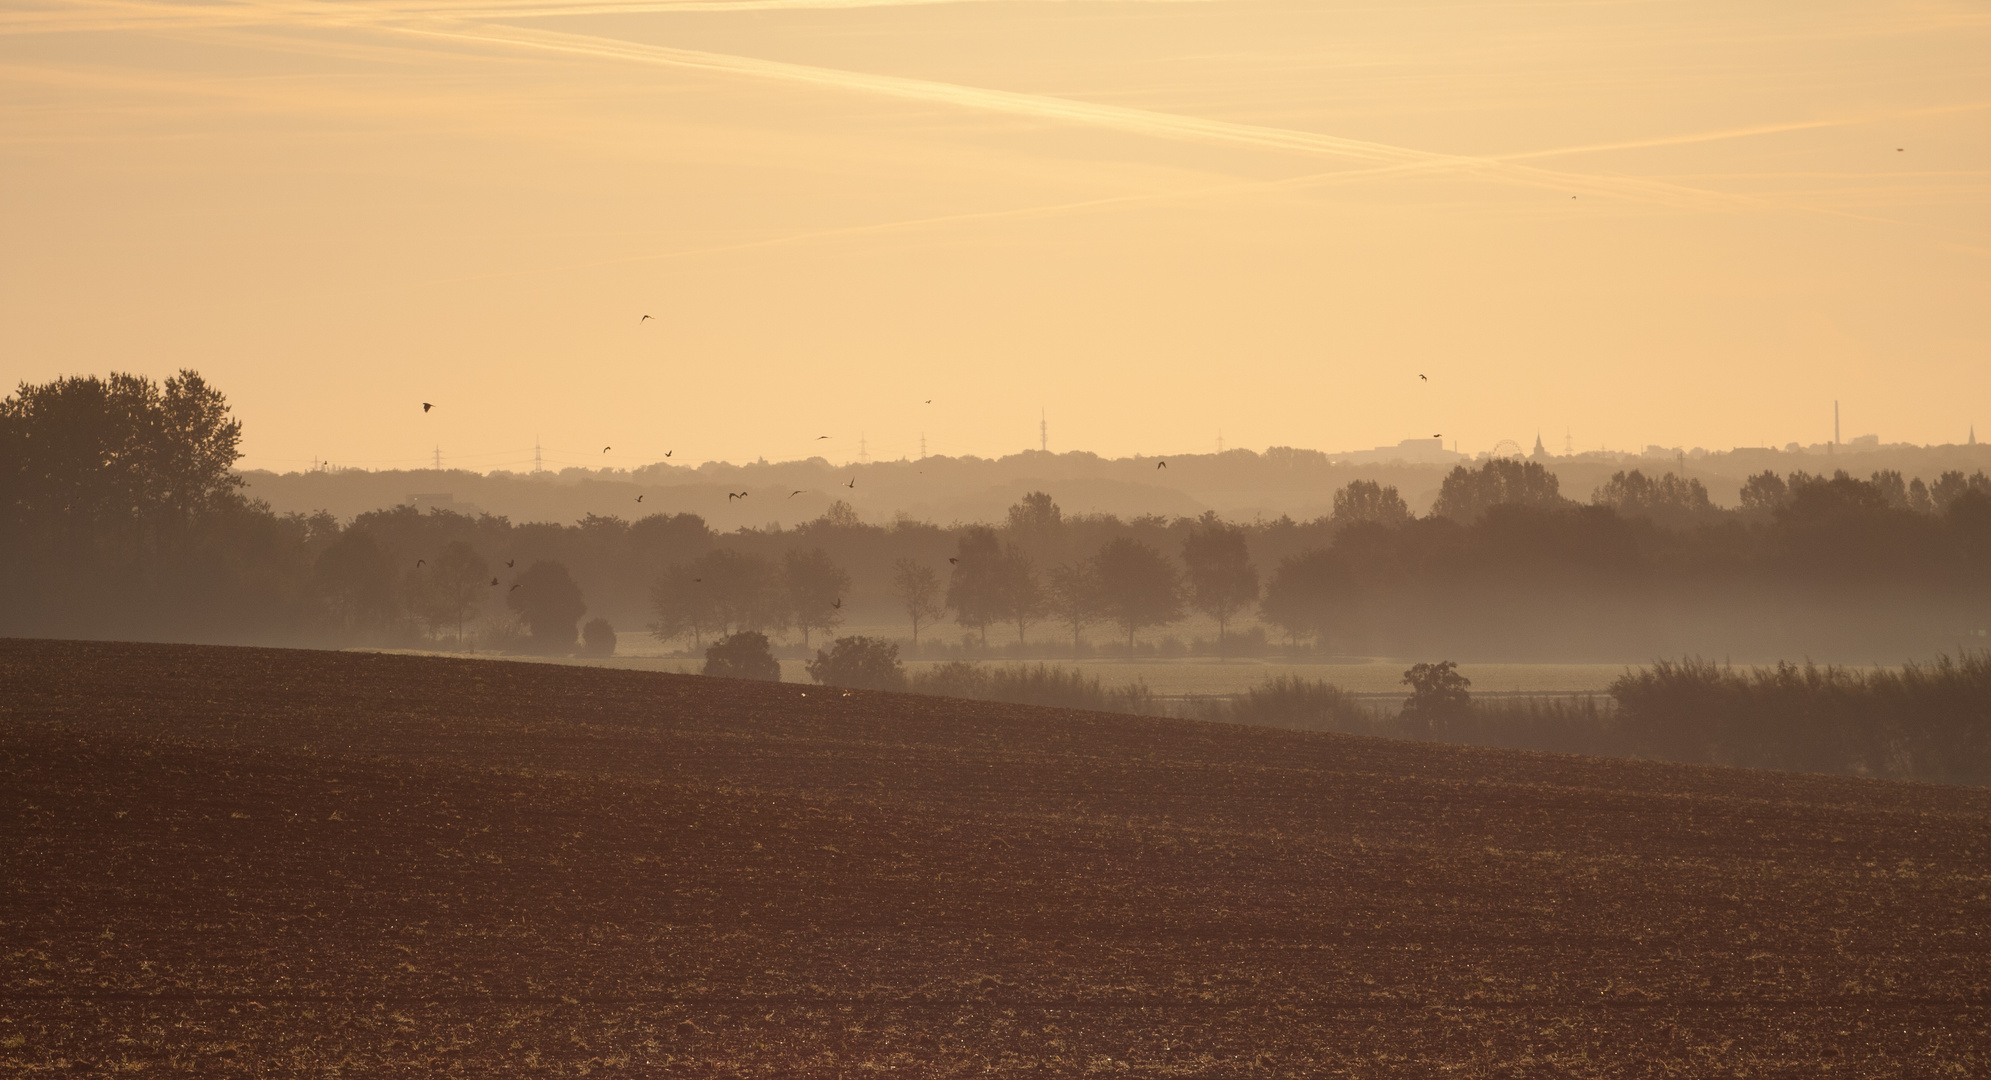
x: 123, y: 518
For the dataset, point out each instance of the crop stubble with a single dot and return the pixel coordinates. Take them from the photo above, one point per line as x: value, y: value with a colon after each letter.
x: 262, y: 862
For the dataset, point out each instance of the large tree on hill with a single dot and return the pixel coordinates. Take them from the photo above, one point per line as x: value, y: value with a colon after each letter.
x: 1221, y: 579
x: 1137, y: 586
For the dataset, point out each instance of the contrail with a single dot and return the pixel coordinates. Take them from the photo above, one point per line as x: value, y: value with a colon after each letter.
x: 1115, y: 117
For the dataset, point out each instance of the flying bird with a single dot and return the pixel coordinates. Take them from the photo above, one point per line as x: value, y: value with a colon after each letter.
x: 420, y: 563
x: 839, y: 602
x: 644, y: 319
x: 1161, y: 464
x: 494, y: 581
x: 639, y: 498
x: 514, y: 587
x: 929, y: 401
x: 853, y: 482
x: 955, y: 561
x: 820, y: 438
x: 509, y: 562
x: 606, y: 449
x: 426, y: 406
x: 792, y: 494
x: 667, y: 453
x: 1426, y: 378
x: 1438, y: 436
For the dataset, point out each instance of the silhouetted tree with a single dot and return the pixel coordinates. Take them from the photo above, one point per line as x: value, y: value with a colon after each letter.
x: 1073, y: 597
x: 550, y: 604
x: 816, y: 587
x: 860, y: 663
x: 1468, y: 493
x: 1303, y: 595
x: 356, y: 581
x: 745, y: 588
x: 1669, y: 499
x: 1222, y: 581
x: 1137, y: 586
x: 975, y: 587
x: 1020, y: 596
x: 743, y: 655
x: 684, y: 603
x: 1764, y: 492
x: 449, y: 586
x: 918, y: 590
x: 1367, y: 500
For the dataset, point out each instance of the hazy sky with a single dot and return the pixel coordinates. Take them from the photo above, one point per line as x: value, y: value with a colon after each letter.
x: 1684, y: 223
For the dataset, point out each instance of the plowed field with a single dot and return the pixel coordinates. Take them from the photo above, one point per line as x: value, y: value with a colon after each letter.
x: 259, y: 862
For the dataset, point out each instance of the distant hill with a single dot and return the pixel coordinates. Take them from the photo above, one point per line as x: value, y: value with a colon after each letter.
x: 1239, y: 484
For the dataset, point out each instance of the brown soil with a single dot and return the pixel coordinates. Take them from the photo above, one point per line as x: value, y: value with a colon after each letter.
x: 259, y: 862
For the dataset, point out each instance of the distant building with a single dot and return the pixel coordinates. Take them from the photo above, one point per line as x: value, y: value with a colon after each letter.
x: 1409, y: 451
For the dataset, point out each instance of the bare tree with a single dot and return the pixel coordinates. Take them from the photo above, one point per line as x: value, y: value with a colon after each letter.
x: 918, y: 588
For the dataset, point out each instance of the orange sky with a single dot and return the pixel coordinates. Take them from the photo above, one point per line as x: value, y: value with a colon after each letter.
x: 1682, y: 223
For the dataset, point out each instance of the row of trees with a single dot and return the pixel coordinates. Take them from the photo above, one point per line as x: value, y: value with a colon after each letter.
x: 123, y: 518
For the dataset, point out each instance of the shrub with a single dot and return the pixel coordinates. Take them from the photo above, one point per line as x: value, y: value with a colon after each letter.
x: 1922, y: 721
x: 1034, y: 684
x: 744, y: 655
x: 598, y: 638
x: 1292, y: 702
x: 505, y: 634
x: 859, y: 662
x: 1438, y: 700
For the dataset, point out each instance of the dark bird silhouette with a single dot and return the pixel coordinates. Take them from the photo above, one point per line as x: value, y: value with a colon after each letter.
x: 494, y: 581
x: 514, y: 587
x: 667, y: 453
x: 792, y: 494
x: 839, y: 602
x: 639, y: 498
x: 644, y: 319
x: 606, y: 449
x: 426, y: 406
x: 929, y: 401
x: 509, y: 562
x: 820, y: 438
x: 1438, y: 436
x: 419, y: 563
x: 1161, y: 464
x: 955, y: 561
x: 853, y: 482
x: 731, y: 495
x: 1426, y: 378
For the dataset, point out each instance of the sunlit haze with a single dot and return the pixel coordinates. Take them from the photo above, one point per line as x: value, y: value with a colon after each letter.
x: 1321, y: 224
